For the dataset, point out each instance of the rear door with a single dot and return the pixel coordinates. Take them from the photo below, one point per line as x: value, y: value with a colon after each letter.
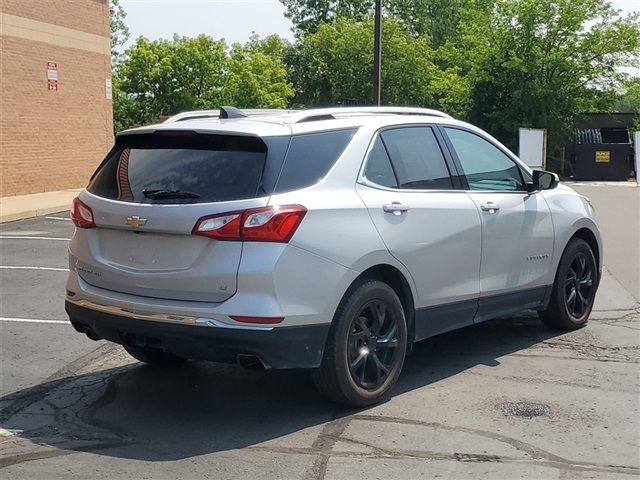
x: 147, y: 197
x: 517, y: 231
x: 426, y: 223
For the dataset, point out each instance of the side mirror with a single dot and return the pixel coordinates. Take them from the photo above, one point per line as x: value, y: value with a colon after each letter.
x: 543, y: 180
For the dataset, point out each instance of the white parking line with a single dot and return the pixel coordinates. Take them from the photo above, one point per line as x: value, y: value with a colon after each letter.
x: 20, y: 237
x: 66, y: 219
x: 33, y: 320
x: 16, y: 267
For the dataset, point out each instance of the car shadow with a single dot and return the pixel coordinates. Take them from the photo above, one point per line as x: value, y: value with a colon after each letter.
x: 155, y: 414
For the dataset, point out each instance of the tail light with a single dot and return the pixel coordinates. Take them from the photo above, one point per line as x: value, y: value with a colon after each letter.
x: 82, y: 215
x: 268, y: 224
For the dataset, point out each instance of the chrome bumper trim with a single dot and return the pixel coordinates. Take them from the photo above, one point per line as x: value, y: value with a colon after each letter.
x: 162, y: 317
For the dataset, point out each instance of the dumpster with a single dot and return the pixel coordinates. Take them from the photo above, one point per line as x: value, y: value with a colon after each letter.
x: 601, y: 148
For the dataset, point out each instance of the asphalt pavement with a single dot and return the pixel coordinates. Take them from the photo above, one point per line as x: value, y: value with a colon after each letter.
x: 504, y: 399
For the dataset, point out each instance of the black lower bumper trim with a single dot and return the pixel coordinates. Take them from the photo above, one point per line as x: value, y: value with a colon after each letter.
x: 283, y: 347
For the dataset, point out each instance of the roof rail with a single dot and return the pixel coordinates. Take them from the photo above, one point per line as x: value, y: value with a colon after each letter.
x: 300, y: 116
x: 328, y: 113
x: 191, y: 115
x: 250, y: 112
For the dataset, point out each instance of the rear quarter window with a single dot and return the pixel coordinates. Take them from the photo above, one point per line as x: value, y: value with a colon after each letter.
x: 310, y: 157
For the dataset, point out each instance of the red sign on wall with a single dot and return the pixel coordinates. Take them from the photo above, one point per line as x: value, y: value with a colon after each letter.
x: 52, y: 76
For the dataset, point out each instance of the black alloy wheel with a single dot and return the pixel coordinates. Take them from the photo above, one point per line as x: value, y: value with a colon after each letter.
x: 366, y: 345
x: 574, y: 289
x: 577, y: 286
x: 373, y: 345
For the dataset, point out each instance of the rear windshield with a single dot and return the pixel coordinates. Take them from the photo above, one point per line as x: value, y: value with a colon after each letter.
x: 193, y: 168
x: 181, y: 169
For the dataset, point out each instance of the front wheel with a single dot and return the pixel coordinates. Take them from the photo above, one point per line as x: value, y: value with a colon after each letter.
x: 365, y: 348
x: 574, y: 288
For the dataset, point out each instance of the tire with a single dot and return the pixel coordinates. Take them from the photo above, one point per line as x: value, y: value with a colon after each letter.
x: 154, y: 356
x: 574, y: 288
x: 365, y: 348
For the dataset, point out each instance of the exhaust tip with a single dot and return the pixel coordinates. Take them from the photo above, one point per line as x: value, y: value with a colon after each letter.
x: 250, y: 362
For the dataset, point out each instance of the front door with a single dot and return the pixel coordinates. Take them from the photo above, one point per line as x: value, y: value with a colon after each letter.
x: 517, y: 231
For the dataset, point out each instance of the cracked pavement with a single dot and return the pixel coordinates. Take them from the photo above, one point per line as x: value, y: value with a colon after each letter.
x: 504, y: 399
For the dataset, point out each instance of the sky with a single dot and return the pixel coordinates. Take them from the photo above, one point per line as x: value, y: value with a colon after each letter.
x: 233, y: 20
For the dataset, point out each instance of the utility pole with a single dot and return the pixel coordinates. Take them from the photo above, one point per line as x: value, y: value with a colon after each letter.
x: 377, y: 54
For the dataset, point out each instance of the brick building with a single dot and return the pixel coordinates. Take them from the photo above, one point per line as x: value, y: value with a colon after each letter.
x: 56, y: 120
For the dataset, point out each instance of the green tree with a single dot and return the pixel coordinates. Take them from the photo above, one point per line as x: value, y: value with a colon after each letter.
x: 308, y: 15
x: 257, y: 76
x: 272, y: 45
x: 165, y: 77
x: 119, y: 30
x: 334, y: 65
x: 126, y: 109
x: 438, y: 19
x: 629, y: 101
x: 629, y: 98
x: 538, y: 63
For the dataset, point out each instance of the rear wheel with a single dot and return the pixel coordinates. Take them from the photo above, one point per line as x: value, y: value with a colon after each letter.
x: 366, y: 346
x: 154, y: 356
x: 574, y: 289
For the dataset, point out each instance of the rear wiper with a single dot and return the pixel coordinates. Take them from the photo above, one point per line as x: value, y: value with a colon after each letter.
x: 161, y: 193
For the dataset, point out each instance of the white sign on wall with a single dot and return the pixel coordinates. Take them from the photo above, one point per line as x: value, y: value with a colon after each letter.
x: 108, y: 88
x: 52, y: 76
x: 533, y: 147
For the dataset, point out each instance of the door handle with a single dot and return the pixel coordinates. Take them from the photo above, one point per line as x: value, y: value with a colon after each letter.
x: 490, y: 207
x: 396, y: 208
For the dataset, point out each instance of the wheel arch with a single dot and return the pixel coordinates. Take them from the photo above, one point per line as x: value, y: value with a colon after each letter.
x: 588, y: 236
x: 396, y: 279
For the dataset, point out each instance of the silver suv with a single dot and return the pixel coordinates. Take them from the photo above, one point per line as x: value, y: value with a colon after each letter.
x: 324, y: 239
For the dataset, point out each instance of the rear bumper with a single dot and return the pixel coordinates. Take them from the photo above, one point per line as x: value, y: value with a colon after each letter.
x: 281, y: 347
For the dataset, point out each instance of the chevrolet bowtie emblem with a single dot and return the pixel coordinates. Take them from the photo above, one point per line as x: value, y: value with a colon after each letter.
x: 136, y: 221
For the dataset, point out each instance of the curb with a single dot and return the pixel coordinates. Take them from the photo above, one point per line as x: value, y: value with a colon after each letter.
x: 35, y: 205
x: 12, y: 217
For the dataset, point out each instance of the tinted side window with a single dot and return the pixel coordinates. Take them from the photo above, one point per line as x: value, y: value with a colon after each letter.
x: 485, y: 165
x: 378, y: 169
x: 417, y: 158
x: 310, y: 157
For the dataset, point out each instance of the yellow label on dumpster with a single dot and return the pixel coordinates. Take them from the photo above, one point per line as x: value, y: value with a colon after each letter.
x: 603, y: 156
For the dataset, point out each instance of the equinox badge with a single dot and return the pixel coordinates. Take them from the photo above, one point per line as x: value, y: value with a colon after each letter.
x: 135, y: 221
